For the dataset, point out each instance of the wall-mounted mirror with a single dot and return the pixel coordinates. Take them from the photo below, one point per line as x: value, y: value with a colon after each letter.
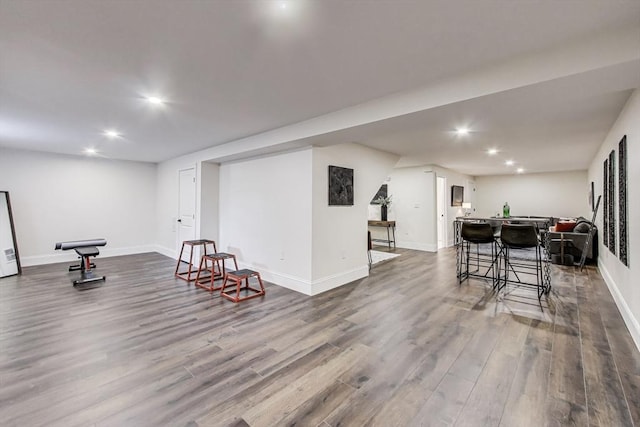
x: 9, y: 260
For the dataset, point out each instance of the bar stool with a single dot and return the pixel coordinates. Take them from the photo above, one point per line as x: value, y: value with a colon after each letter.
x: 217, y: 260
x: 192, y: 244
x: 522, y: 236
x: 478, y: 233
x: 237, y: 277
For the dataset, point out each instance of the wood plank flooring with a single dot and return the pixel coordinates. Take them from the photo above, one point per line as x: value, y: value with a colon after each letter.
x: 407, y: 346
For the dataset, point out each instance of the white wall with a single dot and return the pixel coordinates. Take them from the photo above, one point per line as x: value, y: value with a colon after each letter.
x: 340, y: 232
x: 274, y: 215
x: 413, y: 208
x: 209, y: 187
x: 266, y: 216
x: 622, y: 280
x: 58, y: 198
x: 414, y: 205
x: 558, y: 194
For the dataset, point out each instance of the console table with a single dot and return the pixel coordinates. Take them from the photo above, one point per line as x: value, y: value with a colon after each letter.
x: 391, y: 231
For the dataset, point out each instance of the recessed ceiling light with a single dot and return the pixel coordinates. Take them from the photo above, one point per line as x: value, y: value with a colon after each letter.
x: 155, y: 100
x: 90, y: 151
x: 283, y: 7
x: 112, y: 134
x: 509, y: 163
x: 462, y: 131
x: 492, y: 151
x: 280, y: 11
x: 520, y: 170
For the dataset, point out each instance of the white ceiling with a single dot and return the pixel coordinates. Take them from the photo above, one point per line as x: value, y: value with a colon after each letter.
x: 233, y: 69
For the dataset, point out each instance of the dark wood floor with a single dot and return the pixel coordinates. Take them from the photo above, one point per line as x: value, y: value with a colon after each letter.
x: 406, y: 346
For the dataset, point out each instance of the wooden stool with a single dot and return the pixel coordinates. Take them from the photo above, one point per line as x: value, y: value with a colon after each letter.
x: 237, y: 277
x: 216, y: 259
x: 186, y: 275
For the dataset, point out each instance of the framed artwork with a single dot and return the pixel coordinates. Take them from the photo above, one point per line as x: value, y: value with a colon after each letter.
x: 592, y: 196
x: 605, y: 203
x: 382, y: 193
x: 340, y: 186
x: 612, y: 198
x: 623, y: 213
x: 457, y: 195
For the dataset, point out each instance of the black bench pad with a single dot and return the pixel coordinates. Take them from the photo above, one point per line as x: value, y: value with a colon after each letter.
x: 87, y: 251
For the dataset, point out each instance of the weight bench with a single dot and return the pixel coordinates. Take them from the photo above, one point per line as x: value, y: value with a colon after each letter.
x: 85, y: 249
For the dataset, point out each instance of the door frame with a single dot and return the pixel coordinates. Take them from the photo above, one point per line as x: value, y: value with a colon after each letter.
x: 195, y: 206
x: 441, y: 205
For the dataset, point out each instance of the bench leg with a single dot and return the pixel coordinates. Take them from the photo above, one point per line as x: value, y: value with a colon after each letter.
x: 86, y: 275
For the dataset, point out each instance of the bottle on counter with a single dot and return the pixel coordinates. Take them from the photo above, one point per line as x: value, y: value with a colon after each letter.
x: 505, y: 210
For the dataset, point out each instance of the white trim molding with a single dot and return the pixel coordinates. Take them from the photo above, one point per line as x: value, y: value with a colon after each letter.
x: 331, y: 282
x: 307, y: 287
x: 627, y: 315
x: 171, y: 253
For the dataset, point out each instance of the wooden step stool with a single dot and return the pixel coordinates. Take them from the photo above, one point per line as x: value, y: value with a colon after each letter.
x: 217, y: 260
x: 191, y: 244
x: 237, y: 277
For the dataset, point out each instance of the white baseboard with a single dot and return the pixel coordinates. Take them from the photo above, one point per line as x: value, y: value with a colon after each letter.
x: 284, y: 280
x: 171, y: 253
x: 417, y: 246
x: 627, y: 315
x: 70, y: 256
x: 307, y: 287
x: 330, y: 282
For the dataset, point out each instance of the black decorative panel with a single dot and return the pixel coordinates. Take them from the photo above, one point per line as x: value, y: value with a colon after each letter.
x: 605, y: 203
x: 622, y: 200
x: 457, y: 195
x: 340, y: 186
x: 382, y: 193
x: 612, y: 198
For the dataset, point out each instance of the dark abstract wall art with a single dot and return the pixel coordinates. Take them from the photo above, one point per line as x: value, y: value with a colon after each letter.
x: 457, y: 195
x: 605, y: 203
x: 340, y: 186
x: 612, y: 199
x: 382, y: 193
x: 622, y: 201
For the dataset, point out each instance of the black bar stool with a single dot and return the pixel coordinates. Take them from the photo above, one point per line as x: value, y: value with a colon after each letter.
x: 516, y: 238
x: 478, y: 233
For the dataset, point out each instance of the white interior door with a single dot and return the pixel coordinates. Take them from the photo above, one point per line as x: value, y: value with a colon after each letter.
x: 470, y: 196
x: 186, y: 208
x: 441, y: 196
